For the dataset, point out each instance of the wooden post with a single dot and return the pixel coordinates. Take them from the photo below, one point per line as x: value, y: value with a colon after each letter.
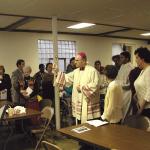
x: 55, y: 48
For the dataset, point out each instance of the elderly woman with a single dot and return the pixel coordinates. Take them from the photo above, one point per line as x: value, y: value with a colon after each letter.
x: 142, y: 83
x: 114, y: 97
x: 5, y: 84
x: 29, y: 90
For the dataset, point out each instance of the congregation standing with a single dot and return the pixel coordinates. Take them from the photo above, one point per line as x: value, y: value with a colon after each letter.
x: 96, y: 92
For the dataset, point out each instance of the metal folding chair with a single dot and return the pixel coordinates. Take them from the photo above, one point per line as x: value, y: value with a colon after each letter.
x: 49, y: 146
x: 47, y: 114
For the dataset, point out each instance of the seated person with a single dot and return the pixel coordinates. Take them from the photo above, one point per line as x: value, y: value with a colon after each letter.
x: 113, y: 100
x: 5, y: 83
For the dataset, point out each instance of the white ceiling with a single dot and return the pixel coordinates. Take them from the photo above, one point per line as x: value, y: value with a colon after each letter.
x: 109, y: 15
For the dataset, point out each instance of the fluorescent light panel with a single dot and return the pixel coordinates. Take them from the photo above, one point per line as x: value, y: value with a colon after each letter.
x: 145, y: 34
x: 81, y: 25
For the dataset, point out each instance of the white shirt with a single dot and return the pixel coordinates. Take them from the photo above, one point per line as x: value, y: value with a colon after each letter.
x: 142, y: 86
x: 113, y: 103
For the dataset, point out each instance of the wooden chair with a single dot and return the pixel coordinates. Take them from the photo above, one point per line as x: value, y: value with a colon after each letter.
x: 49, y: 146
x: 46, y: 116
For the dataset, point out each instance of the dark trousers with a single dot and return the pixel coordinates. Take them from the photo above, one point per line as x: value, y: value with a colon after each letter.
x: 102, y: 98
x: 146, y: 112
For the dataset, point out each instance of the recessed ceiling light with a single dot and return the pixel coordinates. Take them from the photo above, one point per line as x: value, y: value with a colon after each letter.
x: 145, y: 34
x: 81, y: 25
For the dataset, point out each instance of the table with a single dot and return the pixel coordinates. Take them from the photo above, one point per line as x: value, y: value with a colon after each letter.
x: 112, y: 136
x: 29, y: 114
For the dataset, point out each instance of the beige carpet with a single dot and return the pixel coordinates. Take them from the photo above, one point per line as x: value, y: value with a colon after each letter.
x: 67, y: 144
x: 62, y: 141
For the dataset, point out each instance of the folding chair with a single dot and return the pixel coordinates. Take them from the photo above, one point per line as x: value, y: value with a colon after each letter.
x: 49, y: 146
x: 139, y: 122
x: 46, y: 116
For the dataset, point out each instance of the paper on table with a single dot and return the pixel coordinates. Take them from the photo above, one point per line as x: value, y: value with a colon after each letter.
x: 97, y: 123
x: 81, y: 129
x: 19, y: 110
x: 29, y: 91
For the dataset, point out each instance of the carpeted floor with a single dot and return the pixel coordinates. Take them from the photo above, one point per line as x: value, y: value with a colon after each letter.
x: 20, y: 142
x: 68, y: 144
x: 64, y: 144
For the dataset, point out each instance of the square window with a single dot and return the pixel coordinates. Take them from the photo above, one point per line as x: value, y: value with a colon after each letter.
x: 66, y: 50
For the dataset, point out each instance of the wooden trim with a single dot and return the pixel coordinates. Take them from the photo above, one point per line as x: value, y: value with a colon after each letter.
x: 18, y: 23
x: 31, y: 31
x: 123, y: 37
x: 110, y: 32
x: 36, y: 17
x: 59, y: 19
x: 79, y: 34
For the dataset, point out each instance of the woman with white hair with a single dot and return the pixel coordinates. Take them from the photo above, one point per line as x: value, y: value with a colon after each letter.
x: 29, y: 91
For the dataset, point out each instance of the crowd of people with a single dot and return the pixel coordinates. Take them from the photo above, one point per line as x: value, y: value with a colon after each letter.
x: 109, y: 93
x: 23, y: 89
x: 112, y: 92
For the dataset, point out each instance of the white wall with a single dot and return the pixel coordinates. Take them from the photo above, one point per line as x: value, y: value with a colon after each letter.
x: 24, y: 45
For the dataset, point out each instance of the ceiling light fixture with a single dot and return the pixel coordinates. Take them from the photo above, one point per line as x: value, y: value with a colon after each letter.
x: 81, y: 25
x: 145, y: 34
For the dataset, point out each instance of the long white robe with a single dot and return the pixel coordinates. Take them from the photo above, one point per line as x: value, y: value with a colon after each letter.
x: 85, y: 104
x: 123, y: 78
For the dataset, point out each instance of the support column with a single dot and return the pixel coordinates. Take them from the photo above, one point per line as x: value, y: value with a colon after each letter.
x: 55, y: 48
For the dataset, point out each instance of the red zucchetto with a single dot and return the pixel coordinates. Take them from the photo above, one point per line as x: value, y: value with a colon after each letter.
x: 82, y: 54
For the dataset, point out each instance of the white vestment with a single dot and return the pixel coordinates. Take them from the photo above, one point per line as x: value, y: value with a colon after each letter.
x: 123, y: 78
x: 85, y: 104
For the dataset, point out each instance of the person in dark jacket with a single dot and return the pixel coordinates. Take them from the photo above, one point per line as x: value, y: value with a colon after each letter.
x: 132, y: 77
x: 116, y: 60
x: 47, y: 84
x: 39, y: 77
x: 71, y: 66
x: 5, y: 83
